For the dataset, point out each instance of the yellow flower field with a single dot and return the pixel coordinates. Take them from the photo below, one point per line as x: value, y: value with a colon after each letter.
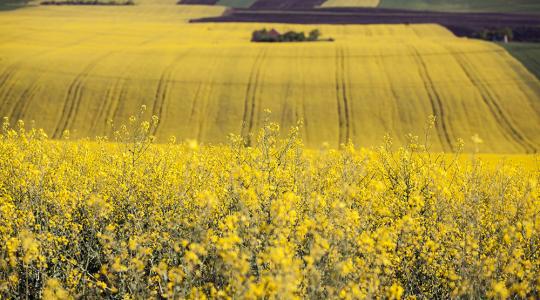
x: 123, y: 218
x: 75, y: 68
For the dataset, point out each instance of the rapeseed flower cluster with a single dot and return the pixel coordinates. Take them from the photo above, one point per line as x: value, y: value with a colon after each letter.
x: 127, y: 218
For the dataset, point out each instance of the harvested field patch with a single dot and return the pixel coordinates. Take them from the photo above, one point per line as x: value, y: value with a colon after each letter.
x: 522, y: 6
x: 350, y: 3
x: 236, y: 3
x: 461, y: 24
x: 198, y: 2
x: 528, y: 54
x: 289, y: 4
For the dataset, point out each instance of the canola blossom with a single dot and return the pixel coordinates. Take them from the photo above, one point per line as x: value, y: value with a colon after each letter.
x: 126, y: 218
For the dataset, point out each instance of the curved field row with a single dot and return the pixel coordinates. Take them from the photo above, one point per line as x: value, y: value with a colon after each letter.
x: 207, y: 80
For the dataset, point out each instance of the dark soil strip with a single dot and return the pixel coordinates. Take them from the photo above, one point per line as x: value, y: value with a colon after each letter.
x: 462, y: 24
x: 291, y: 4
x: 198, y: 2
x: 99, y: 3
x: 6, y: 5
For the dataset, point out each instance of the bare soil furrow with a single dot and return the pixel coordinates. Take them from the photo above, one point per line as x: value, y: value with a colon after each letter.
x: 435, y: 101
x: 342, y: 98
x: 73, y: 97
x: 503, y: 121
x: 250, y: 97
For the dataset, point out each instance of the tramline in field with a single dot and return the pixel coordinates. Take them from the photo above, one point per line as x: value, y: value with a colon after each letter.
x: 207, y: 80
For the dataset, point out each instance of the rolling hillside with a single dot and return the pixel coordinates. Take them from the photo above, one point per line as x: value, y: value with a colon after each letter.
x: 527, y: 6
x: 75, y: 68
x: 528, y: 54
x: 506, y: 6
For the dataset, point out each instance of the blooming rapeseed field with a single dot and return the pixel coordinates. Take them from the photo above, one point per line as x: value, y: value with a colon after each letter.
x: 74, y: 68
x: 122, y: 217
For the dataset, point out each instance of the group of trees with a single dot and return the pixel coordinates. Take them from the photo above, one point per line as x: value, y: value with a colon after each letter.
x: 273, y: 36
x: 529, y: 34
x: 495, y: 34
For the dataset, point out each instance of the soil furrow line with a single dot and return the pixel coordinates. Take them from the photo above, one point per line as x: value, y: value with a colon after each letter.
x: 6, y: 86
x: 346, y: 98
x: 247, y: 119
x: 162, y: 92
x: 394, y: 110
x: 498, y: 113
x: 161, y: 95
x: 104, y: 109
x: 113, y: 112
x: 435, y: 100
x: 202, y: 122
x: 74, y: 97
x: 257, y: 99
x: 21, y: 106
x: 341, y: 98
x: 338, y: 100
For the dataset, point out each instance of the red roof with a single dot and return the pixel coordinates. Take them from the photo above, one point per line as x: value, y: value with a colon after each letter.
x: 273, y: 32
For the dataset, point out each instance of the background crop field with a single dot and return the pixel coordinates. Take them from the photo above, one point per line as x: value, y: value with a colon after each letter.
x: 526, y: 6
x: 351, y: 3
x: 528, y: 54
x: 11, y: 4
x: 77, y: 67
x: 236, y: 3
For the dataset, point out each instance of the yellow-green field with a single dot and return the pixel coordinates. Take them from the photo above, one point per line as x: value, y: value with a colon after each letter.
x: 74, y: 68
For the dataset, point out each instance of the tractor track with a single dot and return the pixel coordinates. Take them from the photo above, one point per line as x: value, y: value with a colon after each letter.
x: 508, y: 129
x: 342, y: 98
x: 11, y: 70
x: 5, y: 87
x: 73, y: 97
x: 300, y: 109
x: 200, y: 100
x: 250, y: 98
x: 112, y: 97
x: 394, y: 105
x: 437, y: 106
x: 22, y: 104
x: 162, y: 91
x: 114, y: 109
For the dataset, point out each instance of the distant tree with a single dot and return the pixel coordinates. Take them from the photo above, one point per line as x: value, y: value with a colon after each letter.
x: 314, y: 35
x: 292, y: 36
x: 494, y: 34
x: 264, y: 35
